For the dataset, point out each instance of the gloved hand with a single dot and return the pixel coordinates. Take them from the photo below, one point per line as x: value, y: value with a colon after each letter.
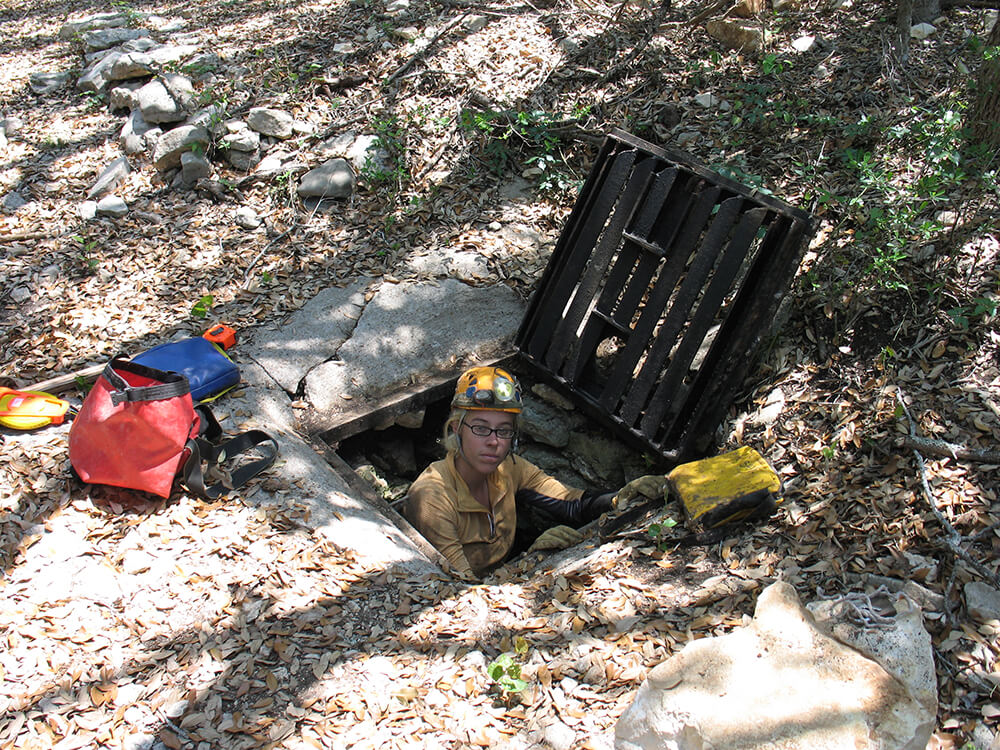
x: 558, y: 537
x: 652, y: 486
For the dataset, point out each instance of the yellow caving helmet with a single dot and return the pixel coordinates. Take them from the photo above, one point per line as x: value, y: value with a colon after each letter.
x: 487, y: 388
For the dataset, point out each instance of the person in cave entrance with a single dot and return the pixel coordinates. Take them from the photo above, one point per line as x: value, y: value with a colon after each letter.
x: 481, y: 505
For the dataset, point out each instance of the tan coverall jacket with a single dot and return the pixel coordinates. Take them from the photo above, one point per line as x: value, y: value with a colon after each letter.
x: 471, y: 537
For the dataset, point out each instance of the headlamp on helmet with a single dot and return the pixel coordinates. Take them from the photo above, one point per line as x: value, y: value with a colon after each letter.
x: 488, y: 388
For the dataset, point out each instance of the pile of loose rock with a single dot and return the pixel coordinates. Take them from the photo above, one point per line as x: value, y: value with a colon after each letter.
x: 162, y: 87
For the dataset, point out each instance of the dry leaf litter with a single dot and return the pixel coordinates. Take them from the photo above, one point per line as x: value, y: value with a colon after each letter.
x: 223, y: 624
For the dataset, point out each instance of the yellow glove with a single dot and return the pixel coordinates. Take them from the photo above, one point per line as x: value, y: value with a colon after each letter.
x: 558, y: 537
x: 651, y: 486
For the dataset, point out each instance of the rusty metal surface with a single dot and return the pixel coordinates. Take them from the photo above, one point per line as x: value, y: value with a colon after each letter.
x: 656, y: 296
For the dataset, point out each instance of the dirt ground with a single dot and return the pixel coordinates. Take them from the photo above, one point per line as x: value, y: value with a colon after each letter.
x: 258, y: 633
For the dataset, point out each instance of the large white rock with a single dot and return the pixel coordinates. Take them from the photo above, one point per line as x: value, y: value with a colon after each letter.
x: 779, y: 682
x: 169, y: 146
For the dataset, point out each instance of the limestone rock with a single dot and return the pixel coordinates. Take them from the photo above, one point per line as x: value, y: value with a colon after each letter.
x: 134, y: 132
x: 142, y: 44
x: 105, y: 38
x: 321, y: 326
x: 603, y: 461
x: 472, y: 24
x: 244, y: 161
x: 332, y: 179
x: 132, y: 65
x: 88, y: 210
x: 12, y: 125
x: 97, y: 75
x: 804, y: 43
x: 110, y: 178
x: 247, y: 218
x: 389, y: 347
x: 166, y: 99
x: 922, y: 31
x: 547, y: 393
x: 546, y: 424
x: 164, y: 54
x: 194, y: 166
x: 212, y: 118
x: 46, y: 83
x: 170, y: 145
x: 734, y: 35
x: 982, y: 601
x: 123, y: 96
x: 903, y: 647
x: 112, y: 205
x: 273, y: 122
x: 242, y: 140
x: 93, y: 22
x: 367, y: 156
x: 13, y: 201
x: 779, y: 682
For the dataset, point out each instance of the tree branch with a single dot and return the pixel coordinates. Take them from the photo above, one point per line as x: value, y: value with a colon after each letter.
x: 952, y: 538
x: 944, y: 448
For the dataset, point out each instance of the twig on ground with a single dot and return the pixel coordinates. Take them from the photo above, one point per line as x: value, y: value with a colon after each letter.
x: 425, y: 49
x: 944, y: 448
x: 952, y: 538
x: 268, y: 246
x: 653, y: 28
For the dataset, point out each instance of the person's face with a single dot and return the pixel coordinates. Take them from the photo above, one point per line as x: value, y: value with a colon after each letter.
x: 484, y: 453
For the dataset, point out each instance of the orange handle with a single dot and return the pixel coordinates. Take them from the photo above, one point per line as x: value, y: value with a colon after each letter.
x: 221, y: 334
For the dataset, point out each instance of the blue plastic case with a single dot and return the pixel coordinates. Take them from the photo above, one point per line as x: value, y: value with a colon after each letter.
x: 208, y: 370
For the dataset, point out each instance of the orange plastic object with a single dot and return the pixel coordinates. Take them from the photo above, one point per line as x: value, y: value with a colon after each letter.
x: 221, y: 334
x: 26, y: 410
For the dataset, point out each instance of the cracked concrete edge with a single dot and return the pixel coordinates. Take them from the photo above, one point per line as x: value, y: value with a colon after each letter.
x: 334, y: 508
x: 288, y: 350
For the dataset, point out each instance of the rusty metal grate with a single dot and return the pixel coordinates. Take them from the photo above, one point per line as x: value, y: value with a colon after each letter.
x: 662, y: 283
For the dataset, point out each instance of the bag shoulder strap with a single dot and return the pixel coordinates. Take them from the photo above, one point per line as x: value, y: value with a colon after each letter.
x: 204, y: 448
x: 172, y: 384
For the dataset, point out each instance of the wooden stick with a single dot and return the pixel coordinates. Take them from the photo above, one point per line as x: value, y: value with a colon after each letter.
x: 952, y: 538
x: 944, y: 448
x: 62, y: 382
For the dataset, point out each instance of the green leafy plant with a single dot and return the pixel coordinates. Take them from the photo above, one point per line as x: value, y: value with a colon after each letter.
x: 505, y: 671
x: 771, y: 63
x: 202, y: 306
x: 658, y: 532
x: 980, y: 308
x: 391, y: 135
x: 87, y: 259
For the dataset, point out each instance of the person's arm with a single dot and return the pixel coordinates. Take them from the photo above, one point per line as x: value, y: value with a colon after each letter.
x: 530, y: 477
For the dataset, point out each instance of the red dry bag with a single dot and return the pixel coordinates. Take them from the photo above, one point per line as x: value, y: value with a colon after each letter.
x: 133, y: 428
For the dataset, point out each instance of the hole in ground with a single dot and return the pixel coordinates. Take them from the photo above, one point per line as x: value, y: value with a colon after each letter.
x: 557, y: 437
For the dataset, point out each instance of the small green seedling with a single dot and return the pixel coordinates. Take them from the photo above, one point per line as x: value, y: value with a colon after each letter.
x: 505, y: 670
x: 656, y: 532
x: 202, y: 306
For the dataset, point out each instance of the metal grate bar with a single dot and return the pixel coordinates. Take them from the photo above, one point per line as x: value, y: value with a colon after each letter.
x: 661, y: 260
x: 723, y: 370
x: 598, y: 198
x: 649, y: 318
x: 708, y: 308
x: 680, y: 307
x: 613, y: 306
x: 565, y: 335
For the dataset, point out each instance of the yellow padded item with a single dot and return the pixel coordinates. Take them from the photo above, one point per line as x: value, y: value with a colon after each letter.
x: 725, y: 488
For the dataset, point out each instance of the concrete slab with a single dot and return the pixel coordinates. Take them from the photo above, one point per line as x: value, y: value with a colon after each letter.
x: 301, y: 475
x: 410, y: 331
x: 310, y: 335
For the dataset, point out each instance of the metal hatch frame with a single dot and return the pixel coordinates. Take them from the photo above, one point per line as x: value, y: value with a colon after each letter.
x: 663, y: 281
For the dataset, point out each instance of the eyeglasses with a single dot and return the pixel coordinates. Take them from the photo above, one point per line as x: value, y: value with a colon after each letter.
x: 504, y: 433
